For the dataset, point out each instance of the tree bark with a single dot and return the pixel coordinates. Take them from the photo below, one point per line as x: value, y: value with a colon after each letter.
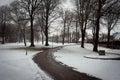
x: 68, y: 35
x: 64, y: 34
x: 32, y: 32
x: 76, y: 32
x: 42, y: 38
x: 95, y: 48
x: 46, y: 30
x: 108, y: 38
x: 24, y: 37
x: 24, y: 40
x: 83, y: 38
x: 3, y: 34
x: 96, y: 41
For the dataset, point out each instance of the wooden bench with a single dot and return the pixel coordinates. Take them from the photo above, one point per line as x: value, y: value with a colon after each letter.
x: 101, y: 52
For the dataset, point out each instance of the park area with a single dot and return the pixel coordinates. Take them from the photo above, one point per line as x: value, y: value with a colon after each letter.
x: 22, y: 63
x: 59, y: 39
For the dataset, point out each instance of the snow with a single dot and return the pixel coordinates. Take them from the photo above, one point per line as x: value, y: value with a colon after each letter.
x: 16, y: 65
x: 107, y: 56
x: 73, y: 56
x: 90, y: 47
x: 52, y: 45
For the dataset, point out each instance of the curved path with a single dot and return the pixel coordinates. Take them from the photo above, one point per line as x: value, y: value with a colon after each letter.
x: 46, y: 61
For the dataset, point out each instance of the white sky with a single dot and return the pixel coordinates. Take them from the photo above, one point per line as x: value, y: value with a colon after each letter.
x: 67, y: 4
x: 5, y: 2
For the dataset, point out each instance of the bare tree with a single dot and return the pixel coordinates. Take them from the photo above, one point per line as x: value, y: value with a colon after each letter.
x: 97, y: 22
x: 112, y: 20
x: 63, y: 14
x: 69, y: 21
x: 48, y: 7
x: 66, y: 19
x: 101, y: 7
x: 92, y: 10
x: 4, y: 18
x: 15, y: 15
x: 41, y: 23
x: 19, y: 17
x: 83, y: 10
x: 31, y: 7
x: 112, y: 16
x: 76, y: 38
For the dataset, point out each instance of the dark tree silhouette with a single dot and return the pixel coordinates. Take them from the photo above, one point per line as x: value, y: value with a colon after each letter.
x: 112, y: 16
x: 48, y: 7
x: 83, y: 10
x: 31, y: 7
x: 4, y: 18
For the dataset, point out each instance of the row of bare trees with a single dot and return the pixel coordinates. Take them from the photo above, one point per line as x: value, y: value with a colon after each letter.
x: 40, y: 10
x: 4, y: 18
x: 25, y: 13
x: 38, y: 15
x: 91, y: 12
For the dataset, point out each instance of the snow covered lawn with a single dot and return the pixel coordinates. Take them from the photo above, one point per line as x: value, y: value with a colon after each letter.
x: 16, y: 65
x: 74, y: 56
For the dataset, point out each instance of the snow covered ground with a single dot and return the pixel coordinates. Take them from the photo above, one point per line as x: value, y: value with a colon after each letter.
x: 74, y: 56
x: 16, y: 65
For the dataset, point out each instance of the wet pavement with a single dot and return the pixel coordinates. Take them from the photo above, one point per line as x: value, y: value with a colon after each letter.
x: 57, y: 70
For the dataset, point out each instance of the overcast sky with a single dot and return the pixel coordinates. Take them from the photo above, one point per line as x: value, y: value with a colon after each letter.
x: 66, y: 3
x: 4, y: 2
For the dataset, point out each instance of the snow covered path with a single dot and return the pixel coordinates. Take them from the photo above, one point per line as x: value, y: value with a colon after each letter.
x: 15, y: 65
x: 73, y: 56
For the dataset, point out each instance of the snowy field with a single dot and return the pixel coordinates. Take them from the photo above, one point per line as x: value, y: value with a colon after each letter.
x: 16, y: 65
x: 73, y: 56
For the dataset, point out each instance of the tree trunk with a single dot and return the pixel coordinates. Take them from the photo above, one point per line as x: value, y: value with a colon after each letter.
x: 3, y: 33
x: 24, y: 37
x: 83, y: 38
x: 64, y: 34
x: 24, y: 40
x: 83, y: 35
x: 76, y: 32
x: 32, y: 32
x: 108, y: 38
x: 95, y: 48
x: 96, y: 38
x: 42, y: 38
x: 70, y: 38
x: 68, y: 35
x: 57, y: 38
x: 3, y: 36
x: 46, y: 31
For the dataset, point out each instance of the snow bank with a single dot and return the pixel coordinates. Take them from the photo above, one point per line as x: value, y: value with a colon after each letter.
x: 74, y: 56
x: 16, y: 65
x: 107, y: 56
